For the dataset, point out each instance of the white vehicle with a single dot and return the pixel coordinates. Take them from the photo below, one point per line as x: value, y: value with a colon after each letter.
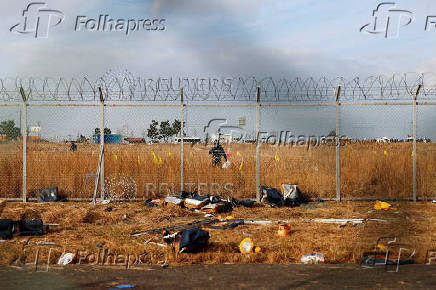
x: 383, y: 140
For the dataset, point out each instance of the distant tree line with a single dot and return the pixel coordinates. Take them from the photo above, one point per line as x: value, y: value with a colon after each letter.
x: 8, y: 129
x: 164, y: 131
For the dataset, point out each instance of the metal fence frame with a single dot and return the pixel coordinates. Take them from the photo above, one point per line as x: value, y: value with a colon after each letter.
x: 399, y: 93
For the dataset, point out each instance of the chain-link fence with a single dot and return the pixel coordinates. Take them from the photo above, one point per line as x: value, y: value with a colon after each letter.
x: 335, y: 139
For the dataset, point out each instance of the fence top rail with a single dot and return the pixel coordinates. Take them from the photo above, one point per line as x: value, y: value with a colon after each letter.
x: 398, y: 87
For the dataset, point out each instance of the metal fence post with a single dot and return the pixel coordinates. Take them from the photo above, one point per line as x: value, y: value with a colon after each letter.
x: 414, y: 97
x: 101, y: 143
x: 338, y: 146
x: 181, y: 139
x: 24, y: 135
x: 258, y: 144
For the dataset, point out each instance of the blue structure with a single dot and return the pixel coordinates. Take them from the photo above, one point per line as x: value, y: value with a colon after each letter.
x: 108, y: 139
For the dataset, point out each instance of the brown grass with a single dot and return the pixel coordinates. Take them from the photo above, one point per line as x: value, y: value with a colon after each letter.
x: 83, y: 227
x: 368, y: 169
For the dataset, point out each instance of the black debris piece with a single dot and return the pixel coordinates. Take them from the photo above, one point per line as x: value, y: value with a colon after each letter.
x: 193, y: 240
x: 30, y: 227
x: 48, y: 194
x: 6, y: 228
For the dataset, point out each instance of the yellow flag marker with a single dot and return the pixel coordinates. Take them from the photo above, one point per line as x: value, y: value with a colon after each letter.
x: 115, y: 157
x: 169, y: 153
x: 385, y: 153
x: 277, y: 157
x: 190, y: 153
x: 160, y: 160
x: 242, y: 164
x: 412, y: 154
x: 154, y: 158
x: 139, y: 160
x: 239, y: 154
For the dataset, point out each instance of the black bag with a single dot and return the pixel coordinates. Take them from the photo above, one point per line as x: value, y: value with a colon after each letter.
x: 30, y: 227
x: 48, y: 194
x: 193, y: 239
x: 6, y: 228
x: 271, y: 195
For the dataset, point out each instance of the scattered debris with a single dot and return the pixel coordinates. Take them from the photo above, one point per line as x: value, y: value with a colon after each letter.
x: 177, y: 227
x: 312, y: 258
x: 30, y: 227
x: 271, y: 196
x: 164, y: 265
x: 228, y: 224
x: 122, y: 286
x: 192, y: 240
x: 246, y: 246
x: 197, y: 202
x: 246, y: 202
x: 48, y: 194
x: 66, y: 259
x: 152, y: 202
x: 157, y: 244
x: 226, y: 164
x: 219, y: 207
x: 382, y: 205
x: 291, y: 195
x: 174, y: 200
x: 44, y: 243
x: 104, y: 201
x: 108, y: 209
x: 283, y: 230
x: 327, y: 221
x: 6, y: 228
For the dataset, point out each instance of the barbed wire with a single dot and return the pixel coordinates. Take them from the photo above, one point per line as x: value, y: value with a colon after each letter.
x: 135, y: 89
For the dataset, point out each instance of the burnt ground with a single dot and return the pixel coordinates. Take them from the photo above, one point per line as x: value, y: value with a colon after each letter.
x: 221, y: 277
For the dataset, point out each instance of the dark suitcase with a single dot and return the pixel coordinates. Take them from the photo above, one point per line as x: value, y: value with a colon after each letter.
x: 6, y: 228
x: 48, y: 194
x: 30, y: 227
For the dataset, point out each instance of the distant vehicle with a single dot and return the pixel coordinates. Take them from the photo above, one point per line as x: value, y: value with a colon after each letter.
x: 383, y: 140
x: 131, y: 140
x: 187, y: 139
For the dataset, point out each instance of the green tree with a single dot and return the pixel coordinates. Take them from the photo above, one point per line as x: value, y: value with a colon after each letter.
x: 165, y: 131
x: 176, y: 127
x: 8, y: 129
x: 153, y: 131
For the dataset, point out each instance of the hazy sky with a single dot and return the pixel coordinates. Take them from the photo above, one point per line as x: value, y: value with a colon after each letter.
x: 288, y: 39
x: 220, y: 38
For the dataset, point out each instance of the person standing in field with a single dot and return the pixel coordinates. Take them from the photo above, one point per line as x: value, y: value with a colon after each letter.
x: 217, y: 152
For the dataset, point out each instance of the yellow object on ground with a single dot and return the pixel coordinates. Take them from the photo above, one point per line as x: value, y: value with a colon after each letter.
x: 381, y: 205
x: 283, y: 230
x: 246, y: 246
x: 257, y: 249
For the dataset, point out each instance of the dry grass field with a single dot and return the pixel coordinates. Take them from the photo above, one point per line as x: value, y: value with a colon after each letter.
x: 85, y: 229
x: 368, y: 169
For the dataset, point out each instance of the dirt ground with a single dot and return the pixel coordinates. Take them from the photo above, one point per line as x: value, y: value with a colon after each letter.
x: 222, y: 277
x: 104, y: 231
